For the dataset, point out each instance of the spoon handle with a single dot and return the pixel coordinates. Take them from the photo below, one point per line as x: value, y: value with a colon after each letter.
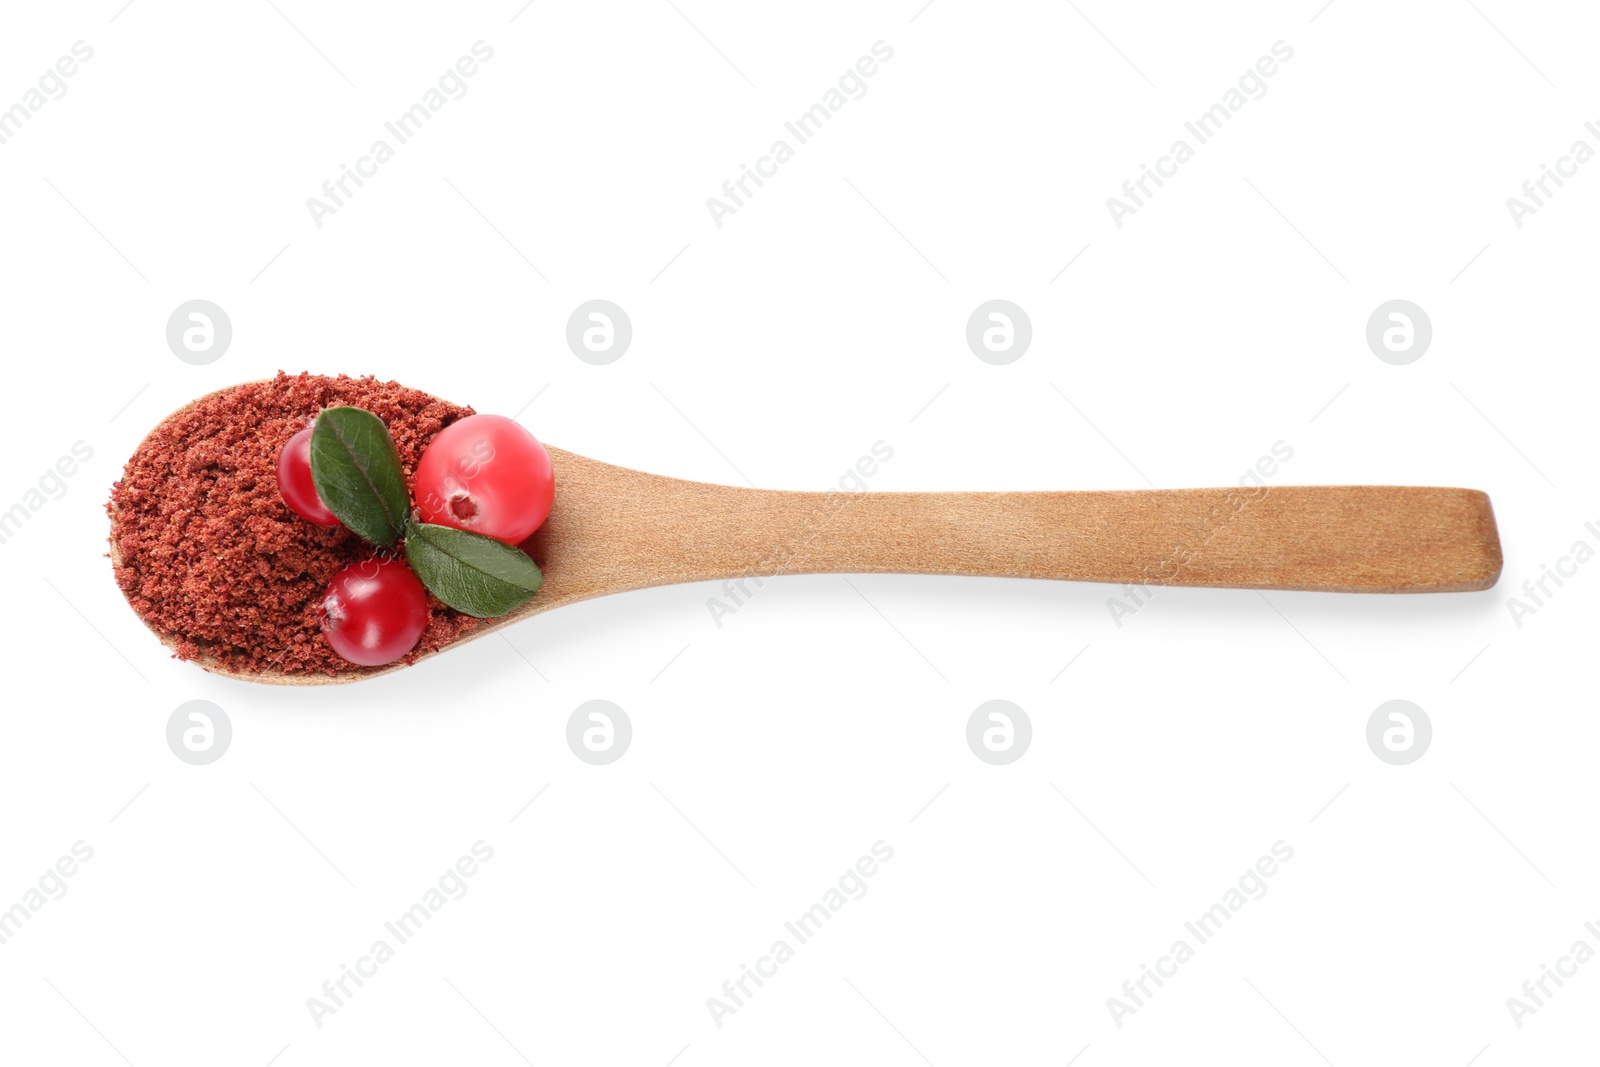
x: 1378, y: 539
x: 1375, y: 539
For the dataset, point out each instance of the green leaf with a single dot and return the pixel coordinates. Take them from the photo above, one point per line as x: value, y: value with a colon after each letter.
x: 472, y: 573
x: 357, y: 472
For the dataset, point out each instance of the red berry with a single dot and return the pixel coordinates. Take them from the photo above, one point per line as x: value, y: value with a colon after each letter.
x: 487, y: 475
x: 294, y: 481
x: 373, y: 612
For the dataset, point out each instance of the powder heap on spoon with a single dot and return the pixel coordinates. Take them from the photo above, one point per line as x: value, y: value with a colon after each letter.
x: 215, y: 561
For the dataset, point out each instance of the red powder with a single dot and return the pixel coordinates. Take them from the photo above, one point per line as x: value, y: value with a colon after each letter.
x: 211, y: 557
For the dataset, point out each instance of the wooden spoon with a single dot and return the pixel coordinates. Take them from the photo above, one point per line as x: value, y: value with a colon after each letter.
x: 613, y: 529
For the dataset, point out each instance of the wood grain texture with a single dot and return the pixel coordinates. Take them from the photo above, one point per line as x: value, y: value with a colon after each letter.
x: 614, y: 529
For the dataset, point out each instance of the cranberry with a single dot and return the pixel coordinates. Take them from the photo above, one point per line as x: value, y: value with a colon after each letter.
x: 294, y: 481
x: 487, y: 475
x: 373, y: 612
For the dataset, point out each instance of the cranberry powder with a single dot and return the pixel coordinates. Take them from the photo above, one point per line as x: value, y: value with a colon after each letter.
x: 211, y: 557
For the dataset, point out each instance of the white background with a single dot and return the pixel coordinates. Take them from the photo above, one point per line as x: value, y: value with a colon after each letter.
x: 827, y: 314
